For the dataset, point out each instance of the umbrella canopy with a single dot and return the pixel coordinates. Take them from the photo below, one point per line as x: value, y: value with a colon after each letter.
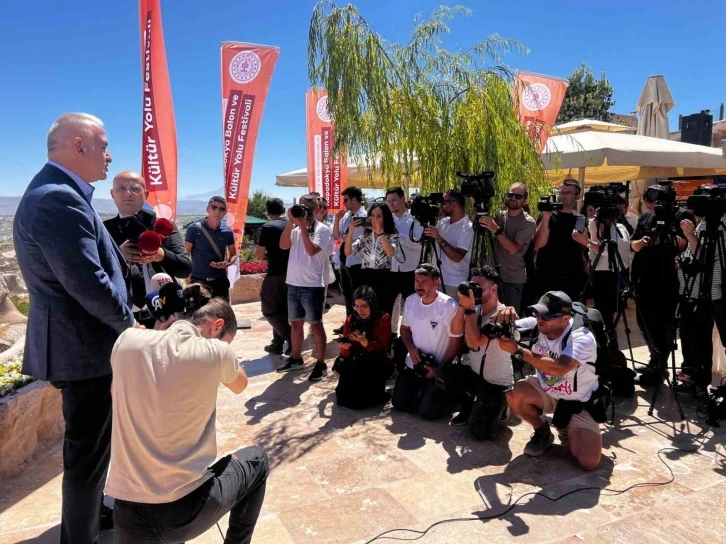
x: 587, y: 124
x: 601, y: 157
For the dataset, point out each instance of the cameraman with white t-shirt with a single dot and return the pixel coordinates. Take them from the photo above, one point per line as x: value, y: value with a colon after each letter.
x: 565, y: 384
x: 453, y: 235
x: 429, y: 327
x: 481, y: 387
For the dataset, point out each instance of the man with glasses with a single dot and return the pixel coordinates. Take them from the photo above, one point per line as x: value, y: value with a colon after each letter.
x: 129, y: 193
x: 453, y: 235
x: 350, y: 267
x: 560, y: 259
x: 565, y: 383
x: 211, y: 245
x: 513, y: 230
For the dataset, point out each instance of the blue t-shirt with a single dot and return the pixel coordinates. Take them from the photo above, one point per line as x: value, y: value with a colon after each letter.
x: 203, y: 253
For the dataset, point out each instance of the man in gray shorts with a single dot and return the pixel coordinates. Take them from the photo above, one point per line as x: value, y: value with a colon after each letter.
x: 565, y: 384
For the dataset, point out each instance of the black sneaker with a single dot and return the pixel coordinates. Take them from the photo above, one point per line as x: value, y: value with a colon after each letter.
x: 273, y: 349
x: 291, y: 364
x: 542, y: 439
x: 320, y: 370
x: 462, y: 418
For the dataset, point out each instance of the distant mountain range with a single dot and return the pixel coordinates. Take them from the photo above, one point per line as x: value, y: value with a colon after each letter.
x: 105, y: 206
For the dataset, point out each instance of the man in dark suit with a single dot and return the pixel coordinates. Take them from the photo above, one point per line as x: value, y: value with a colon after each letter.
x: 129, y: 193
x: 79, y: 305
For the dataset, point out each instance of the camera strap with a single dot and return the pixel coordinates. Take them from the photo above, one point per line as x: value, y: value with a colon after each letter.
x: 211, y: 241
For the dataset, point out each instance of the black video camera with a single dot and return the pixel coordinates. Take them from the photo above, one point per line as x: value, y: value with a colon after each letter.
x: 425, y: 209
x: 499, y: 330
x: 548, y: 203
x: 606, y: 198
x: 708, y: 201
x: 480, y: 187
x: 474, y: 287
x: 666, y: 208
x: 299, y: 211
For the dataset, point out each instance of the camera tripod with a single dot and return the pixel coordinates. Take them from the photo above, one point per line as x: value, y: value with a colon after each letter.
x: 428, y: 251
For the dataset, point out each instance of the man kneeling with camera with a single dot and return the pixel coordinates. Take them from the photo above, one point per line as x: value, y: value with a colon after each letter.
x: 163, y: 474
x: 482, y: 385
x: 565, y: 384
x: 432, y: 334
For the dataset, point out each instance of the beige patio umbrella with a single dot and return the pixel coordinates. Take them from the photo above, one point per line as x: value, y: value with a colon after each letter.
x: 653, y: 106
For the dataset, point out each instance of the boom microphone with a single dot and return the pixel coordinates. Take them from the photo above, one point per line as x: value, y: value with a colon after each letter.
x: 165, y: 302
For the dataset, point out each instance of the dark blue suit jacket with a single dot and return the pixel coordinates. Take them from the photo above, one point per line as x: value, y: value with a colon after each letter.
x: 75, y: 277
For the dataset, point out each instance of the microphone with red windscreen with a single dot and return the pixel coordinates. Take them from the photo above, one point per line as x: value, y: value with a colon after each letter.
x: 149, y: 243
x: 163, y: 227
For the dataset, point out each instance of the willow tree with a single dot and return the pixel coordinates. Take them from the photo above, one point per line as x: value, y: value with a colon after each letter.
x: 416, y: 112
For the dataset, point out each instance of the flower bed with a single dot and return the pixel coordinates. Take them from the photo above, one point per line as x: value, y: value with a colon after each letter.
x: 11, y: 378
x: 246, y: 269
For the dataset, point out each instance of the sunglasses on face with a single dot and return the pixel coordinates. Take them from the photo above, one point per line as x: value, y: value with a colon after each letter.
x: 545, y: 317
x: 131, y: 189
x: 563, y: 193
x: 515, y: 196
x: 220, y: 208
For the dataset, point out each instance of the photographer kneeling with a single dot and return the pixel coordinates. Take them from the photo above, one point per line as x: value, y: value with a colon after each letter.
x: 565, y: 384
x: 364, y: 364
x: 482, y: 385
x: 432, y: 334
x: 163, y: 474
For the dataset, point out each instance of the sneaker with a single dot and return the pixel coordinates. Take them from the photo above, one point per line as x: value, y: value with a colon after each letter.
x: 542, y: 439
x: 564, y: 439
x: 273, y: 349
x: 288, y: 351
x: 462, y: 418
x: 320, y: 370
x: 291, y: 364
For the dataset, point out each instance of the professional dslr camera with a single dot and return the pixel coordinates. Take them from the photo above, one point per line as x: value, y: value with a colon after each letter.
x: 606, y: 199
x: 500, y: 330
x: 426, y: 359
x: 425, y: 209
x: 708, y: 201
x: 474, y: 287
x: 548, y: 203
x: 480, y: 187
x: 299, y: 211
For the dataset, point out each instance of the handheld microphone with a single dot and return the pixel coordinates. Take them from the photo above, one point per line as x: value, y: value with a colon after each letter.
x: 163, y: 227
x: 165, y: 302
x: 149, y: 242
x: 158, y: 280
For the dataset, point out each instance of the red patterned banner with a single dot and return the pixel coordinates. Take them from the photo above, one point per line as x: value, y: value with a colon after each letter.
x: 540, y: 98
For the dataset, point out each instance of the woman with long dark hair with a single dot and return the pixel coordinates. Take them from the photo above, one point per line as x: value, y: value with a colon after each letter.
x: 377, y: 246
x: 364, y: 364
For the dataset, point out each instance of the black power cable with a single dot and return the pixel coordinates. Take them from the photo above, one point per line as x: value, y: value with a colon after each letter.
x: 612, y: 492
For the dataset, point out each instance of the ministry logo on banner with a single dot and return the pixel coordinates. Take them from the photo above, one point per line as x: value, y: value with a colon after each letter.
x: 245, y: 66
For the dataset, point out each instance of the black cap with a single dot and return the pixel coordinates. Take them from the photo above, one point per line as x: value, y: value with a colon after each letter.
x: 553, y: 303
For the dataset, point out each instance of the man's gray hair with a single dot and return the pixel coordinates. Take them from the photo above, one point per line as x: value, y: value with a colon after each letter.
x: 219, y: 199
x: 80, y: 121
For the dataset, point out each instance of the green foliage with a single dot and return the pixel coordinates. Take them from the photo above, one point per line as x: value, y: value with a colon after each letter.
x: 586, y: 97
x: 22, y: 304
x: 247, y: 253
x: 420, y: 112
x: 256, y: 204
x: 11, y: 378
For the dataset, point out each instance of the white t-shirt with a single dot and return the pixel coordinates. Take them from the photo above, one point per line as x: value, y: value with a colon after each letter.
x: 164, y: 395
x: 632, y: 219
x: 498, y: 363
x: 458, y: 235
x: 354, y: 259
x: 408, y: 253
x: 619, y: 234
x: 581, y: 347
x: 302, y: 269
x: 430, y: 324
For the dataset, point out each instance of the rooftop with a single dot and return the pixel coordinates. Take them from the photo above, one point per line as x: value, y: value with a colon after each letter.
x: 346, y: 476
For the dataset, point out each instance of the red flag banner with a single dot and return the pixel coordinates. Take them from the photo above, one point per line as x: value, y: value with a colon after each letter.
x: 246, y: 74
x: 539, y: 99
x: 327, y: 171
x: 158, y: 133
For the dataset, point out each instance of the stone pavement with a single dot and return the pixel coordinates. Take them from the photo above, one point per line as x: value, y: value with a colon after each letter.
x: 345, y: 476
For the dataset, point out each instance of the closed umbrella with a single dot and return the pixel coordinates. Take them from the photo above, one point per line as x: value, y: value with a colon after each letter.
x: 653, y: 106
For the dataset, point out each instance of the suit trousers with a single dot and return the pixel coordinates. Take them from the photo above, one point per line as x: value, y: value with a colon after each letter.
x: 86, y: 454
x: 237, y: 486
x: 273, y: 301
x: 351, y: 281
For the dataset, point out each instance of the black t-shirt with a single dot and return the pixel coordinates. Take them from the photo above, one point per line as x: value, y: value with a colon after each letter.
x: 561, y: 255
x: 269, y: 238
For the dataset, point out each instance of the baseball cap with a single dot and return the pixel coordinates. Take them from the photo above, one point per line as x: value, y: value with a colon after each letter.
x: 553, y: 303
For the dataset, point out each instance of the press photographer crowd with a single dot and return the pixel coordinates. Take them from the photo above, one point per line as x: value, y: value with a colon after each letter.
x: 501, y: 313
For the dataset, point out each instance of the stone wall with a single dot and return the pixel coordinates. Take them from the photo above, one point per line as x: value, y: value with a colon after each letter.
x: 30, y: 419
x: 247, y: 288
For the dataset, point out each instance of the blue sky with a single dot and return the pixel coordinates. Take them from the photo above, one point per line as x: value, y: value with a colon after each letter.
x: 70, y: 55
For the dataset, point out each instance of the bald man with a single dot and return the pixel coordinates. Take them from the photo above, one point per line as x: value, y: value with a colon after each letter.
x: 79, y: 305
x: 129, y: 193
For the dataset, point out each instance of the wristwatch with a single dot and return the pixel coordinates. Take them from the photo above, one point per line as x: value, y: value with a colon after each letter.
x: 499, y: 231
x: 443, y: 243
x: 518, y: 355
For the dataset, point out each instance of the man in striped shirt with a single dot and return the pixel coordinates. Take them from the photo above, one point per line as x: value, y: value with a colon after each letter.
x: 700, y: 311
